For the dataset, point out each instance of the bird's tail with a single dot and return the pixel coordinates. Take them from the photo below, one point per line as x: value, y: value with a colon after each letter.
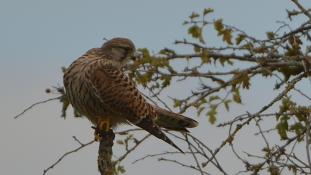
x: 173, y: 121
x: 148, y: 124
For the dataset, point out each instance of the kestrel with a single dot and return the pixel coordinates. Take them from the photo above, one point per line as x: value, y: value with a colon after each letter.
x: 97, y: 87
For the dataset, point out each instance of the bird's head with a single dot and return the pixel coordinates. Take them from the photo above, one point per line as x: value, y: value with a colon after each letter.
x: 119, y: 49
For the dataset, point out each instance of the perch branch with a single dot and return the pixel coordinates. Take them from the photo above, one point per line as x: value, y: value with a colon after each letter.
x: 104, y: 161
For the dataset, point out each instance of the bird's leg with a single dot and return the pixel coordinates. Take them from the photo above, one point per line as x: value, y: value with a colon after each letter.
x: 103, y: 126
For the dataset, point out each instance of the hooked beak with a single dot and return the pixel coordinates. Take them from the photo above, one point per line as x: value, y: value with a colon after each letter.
x: 137, y: 55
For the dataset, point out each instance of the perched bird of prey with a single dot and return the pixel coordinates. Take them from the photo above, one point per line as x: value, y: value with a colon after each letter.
x: 97, y: 88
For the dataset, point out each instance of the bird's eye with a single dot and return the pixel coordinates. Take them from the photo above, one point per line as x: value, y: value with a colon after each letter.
x: 124, y: 47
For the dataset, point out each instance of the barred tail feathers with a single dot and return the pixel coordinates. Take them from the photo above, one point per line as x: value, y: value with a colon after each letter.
x: 173, y: 121
x: 149, y: 125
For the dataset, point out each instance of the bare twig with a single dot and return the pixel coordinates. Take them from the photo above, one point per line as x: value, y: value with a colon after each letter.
x: 262, y: 134
x: 302, y: 93
x: 157, y: 155
x: 306, y: 12
x: 133, y: 148
x: 35, y: 104
x: 82, y: 145
x: 183, y: 164
x: 194, y: 156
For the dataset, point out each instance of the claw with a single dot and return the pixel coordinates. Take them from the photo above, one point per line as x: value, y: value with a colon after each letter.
x: 102, y: 126
x: 97, y: 137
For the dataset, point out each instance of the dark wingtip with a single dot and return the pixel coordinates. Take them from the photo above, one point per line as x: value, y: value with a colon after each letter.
x: 191, y: 123
x: 149, y: 125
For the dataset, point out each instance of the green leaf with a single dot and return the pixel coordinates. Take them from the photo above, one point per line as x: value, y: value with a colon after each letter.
x: 226, y: 104
x: 185, y: 23
x: 226, y: 33
x: 298, y: 128
x: 205, y: 57
x: 166, y: 81
x: 245, y: 81
x: 195, y: 31
x: 197, y: 49
x: 212, y: 98
x: 287, y: 104
x: 292, y: 168
x: 274, y: 170
x: 222, y: 61
x: 121, y: 169
x: 194, y: 15
x: 207, y: 11
x: 145, y: 52
x: 282, y: 131
x: 212, y: 114
x: 160, y: 62
x: 248, y: 46
x: 177, y: 103
x: 270, y: 35
x: 218, y: 25
x: 227, y: 36
x: 282, y: 127
x: 239, y: 39
x: 200, y: 110
x: 236, y: 96
x: 167, y: 51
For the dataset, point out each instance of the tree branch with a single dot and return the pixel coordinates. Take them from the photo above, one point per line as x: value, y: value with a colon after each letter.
x: 105, y: 164
x: 302, y: 9
x: 133, y: 148
x: 308, y: 139
x: 35, y: 104
x: 82, y: 145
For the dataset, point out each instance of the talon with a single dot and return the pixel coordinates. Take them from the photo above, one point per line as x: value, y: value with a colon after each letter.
x: 102, y: 126
x: 97, y: 137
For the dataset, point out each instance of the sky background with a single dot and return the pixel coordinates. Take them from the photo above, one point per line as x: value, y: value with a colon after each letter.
x: 37, y: 37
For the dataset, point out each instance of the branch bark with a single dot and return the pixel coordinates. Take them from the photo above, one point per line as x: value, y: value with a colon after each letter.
x: 105, y: 165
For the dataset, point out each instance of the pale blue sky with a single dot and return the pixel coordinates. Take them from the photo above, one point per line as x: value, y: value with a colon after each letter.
x: 37, y: 37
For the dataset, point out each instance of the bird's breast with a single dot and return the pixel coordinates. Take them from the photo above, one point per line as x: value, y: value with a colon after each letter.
x: 81, y: 93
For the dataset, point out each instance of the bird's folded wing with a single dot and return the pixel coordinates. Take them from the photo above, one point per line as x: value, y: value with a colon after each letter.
x: 118, y: 92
